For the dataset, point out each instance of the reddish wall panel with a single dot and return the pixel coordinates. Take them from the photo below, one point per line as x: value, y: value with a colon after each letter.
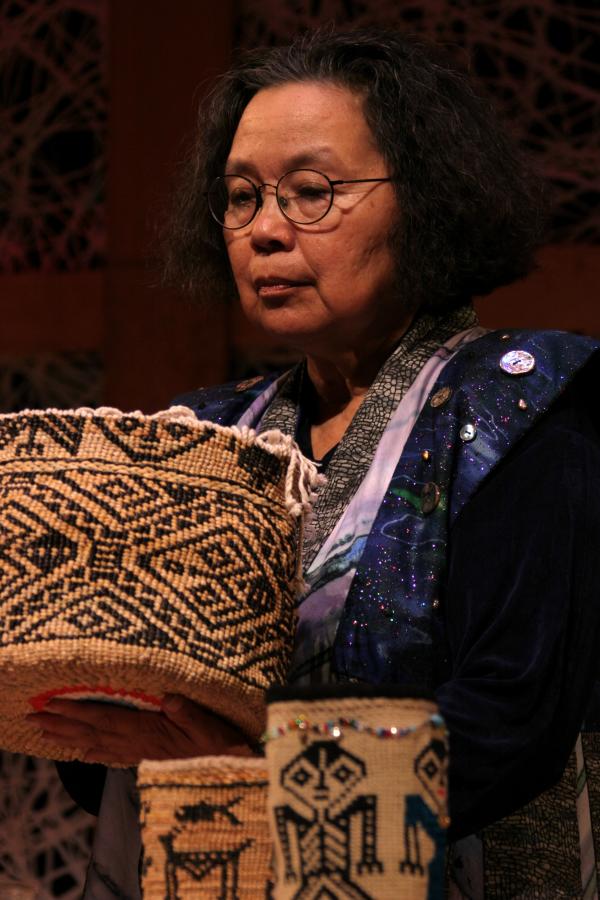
x: 162, y: 55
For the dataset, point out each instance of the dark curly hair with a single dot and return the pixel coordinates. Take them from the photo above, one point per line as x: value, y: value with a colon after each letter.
x: 471, y: 210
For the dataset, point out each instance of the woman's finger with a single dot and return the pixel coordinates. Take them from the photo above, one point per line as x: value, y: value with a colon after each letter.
x: 124, y: 736
x: 127, y: 745
x: 63, y: 728
x: 108, y: 717
x: 207, y: 731
x: 115, y: 727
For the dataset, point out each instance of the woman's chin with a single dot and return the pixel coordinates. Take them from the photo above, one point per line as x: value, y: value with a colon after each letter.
x: 291, y: 329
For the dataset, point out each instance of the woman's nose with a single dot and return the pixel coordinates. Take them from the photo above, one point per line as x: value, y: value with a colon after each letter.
x: 270, y: 228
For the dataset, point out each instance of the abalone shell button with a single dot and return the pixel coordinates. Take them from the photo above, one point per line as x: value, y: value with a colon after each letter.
x: 430, y: 497
x: 468, y: 432
x: 517, y: 362
x: 440, y: 397
x: 248, y: 383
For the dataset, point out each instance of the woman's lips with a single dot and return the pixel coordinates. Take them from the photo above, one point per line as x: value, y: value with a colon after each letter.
x: 274, y: 288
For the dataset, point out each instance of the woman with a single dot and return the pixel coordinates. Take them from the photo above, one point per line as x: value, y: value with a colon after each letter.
x: 360, y: 193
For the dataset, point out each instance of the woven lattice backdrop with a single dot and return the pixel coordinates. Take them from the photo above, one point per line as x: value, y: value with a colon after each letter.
x: 61, y: 380
x: 44, y: 837
x: 52, y: 134
x: 540, y: 61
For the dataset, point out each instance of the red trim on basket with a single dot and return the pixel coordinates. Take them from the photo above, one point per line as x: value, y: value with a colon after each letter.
x: 40, y: 700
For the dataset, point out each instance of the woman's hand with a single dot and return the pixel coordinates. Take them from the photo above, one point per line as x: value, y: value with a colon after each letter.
x: 121, y: 736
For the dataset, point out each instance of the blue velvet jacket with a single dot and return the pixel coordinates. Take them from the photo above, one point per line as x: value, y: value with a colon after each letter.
x: 481, y: 576
x: 473, y: 580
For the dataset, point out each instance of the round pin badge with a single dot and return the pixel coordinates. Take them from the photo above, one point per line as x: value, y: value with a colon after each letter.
x: 468, y: 432
x: 517, y: 362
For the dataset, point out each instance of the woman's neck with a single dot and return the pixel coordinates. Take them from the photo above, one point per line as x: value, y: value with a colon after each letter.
x: 340, y: 382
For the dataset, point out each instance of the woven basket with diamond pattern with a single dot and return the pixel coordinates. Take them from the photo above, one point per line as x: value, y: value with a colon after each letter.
x: 141, y: 555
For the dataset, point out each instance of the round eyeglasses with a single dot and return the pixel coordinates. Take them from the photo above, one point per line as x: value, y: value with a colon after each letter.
x: 304, y: 196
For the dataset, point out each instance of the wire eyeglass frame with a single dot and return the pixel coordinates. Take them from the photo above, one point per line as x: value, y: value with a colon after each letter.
x: 282, y: 201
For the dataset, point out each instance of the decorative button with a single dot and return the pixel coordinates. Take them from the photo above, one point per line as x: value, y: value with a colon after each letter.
x: 468, y: 432
x: 522, y: 404
x: 440, y: 397
x: 517, y: 362
x: 430, y: 497
x: 248, y: 383
x: 504, y: 337
x: 436, y: 604
x: 425, y: 455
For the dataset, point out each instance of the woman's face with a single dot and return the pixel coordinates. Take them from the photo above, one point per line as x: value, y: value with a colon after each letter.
x: 329, y: 286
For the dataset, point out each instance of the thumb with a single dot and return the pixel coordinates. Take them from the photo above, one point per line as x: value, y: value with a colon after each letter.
x: 176, y: 707
x: 208, y: 729
x: 196, y: 721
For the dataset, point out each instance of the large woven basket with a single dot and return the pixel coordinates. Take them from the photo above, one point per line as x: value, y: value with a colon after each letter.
x: 357, y: 793
x: 204, y: 829
x: 141, y: 555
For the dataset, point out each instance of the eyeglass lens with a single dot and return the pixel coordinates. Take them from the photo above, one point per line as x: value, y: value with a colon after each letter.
x: 304, y: 197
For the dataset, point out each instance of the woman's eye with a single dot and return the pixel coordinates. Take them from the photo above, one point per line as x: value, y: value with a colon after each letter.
x: 312, y: 192
x: 241, y: 197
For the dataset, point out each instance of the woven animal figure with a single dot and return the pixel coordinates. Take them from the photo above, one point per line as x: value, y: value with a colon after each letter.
x: 141, y: 555
x: 204, y: 829
x: 323, y: 786
x: 199, y: 863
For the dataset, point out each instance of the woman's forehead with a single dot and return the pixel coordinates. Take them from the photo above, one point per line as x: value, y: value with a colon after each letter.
x: 304, y: 124
x: 308, y: 157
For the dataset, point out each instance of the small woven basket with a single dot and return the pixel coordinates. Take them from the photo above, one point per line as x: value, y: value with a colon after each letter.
x: 204, y: 828
x: 141, y: 555
x: 357, y: 794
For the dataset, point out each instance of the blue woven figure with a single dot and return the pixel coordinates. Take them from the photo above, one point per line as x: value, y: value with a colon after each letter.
x: 422, y: 811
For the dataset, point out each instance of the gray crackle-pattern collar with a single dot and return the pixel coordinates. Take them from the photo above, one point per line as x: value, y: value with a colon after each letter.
x: 354, y: 453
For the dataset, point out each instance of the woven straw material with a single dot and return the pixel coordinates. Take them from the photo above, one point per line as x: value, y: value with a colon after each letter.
x: 204, y: 829
x: 141, y: 555
x: 357, y: 816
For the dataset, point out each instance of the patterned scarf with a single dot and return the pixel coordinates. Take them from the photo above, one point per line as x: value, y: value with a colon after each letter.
x: 352, y: 456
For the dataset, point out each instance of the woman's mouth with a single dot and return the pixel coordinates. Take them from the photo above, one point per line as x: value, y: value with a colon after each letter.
x: 272, y: 288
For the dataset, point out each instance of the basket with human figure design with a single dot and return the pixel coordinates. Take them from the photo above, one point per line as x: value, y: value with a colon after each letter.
x: 143, y: 555
x: 357, y: 792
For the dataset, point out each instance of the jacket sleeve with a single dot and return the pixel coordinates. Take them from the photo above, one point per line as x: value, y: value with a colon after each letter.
x: 522, y: 620
x: 84, y: 782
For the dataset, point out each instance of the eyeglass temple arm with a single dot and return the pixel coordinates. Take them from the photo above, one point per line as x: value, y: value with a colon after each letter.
x: 357, y: 180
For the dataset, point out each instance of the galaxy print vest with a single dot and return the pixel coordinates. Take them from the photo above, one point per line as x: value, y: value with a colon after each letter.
x: 486, y: 398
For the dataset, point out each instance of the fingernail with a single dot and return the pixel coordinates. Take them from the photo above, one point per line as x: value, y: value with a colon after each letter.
x: 172, y: 703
